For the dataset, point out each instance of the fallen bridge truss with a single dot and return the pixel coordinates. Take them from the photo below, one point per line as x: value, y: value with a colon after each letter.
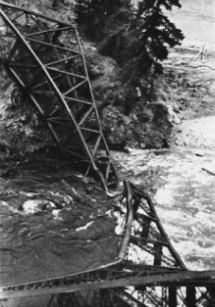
x: 45, y: 58
x: 147, y: 272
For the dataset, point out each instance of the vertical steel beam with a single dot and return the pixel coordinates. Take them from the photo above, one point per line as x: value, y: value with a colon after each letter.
x: 172, y: 296
x: 158, y: 253
x: 190, y: 296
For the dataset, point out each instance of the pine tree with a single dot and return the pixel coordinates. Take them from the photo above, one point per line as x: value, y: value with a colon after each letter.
x: 93, y: 16
x: 137, y: 38
x: 149, y: 37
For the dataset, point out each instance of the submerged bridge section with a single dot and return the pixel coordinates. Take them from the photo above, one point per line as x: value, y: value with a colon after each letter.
x: 147, y: 272
x: 45, y: 59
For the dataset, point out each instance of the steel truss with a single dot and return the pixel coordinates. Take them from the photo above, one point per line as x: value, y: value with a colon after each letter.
x: 44, y: 57
x: 154, y: 277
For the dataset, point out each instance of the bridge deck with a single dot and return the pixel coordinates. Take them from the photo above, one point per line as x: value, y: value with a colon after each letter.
x: 51, y: 250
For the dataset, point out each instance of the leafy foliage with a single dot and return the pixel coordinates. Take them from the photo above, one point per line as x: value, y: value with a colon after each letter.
x: 131, y: 42
x: 137, y: 37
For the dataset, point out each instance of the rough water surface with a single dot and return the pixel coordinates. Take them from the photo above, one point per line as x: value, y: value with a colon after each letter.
x: 184, y: 193
x: 197, y: 21
x: 51, y: 224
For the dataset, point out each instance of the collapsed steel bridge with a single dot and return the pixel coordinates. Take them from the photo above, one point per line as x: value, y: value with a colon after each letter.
x: 44, y: 57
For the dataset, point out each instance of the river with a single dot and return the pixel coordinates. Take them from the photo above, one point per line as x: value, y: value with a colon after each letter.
x: 182, y: 189
x: 197, y: 21
x: 184, y: 194
x: 181, y: 179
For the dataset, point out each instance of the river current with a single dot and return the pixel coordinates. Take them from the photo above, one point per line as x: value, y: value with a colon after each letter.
x: 183, y: 190
x: 197, y: 21
x: 184, y: 194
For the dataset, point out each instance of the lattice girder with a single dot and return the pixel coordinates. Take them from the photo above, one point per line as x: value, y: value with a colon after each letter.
x: 44, y: 57
x: 169, y: 296
x: 126, y: 272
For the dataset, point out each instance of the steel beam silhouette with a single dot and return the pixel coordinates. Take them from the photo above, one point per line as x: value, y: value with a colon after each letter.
x: 45, y: 58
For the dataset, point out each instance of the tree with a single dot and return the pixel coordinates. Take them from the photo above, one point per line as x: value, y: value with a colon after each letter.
x: 93, y: 16
x: 151, y: 33
x: 138, y: 37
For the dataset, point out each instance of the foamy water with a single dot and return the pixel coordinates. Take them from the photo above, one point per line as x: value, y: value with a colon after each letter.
x: 185, y: 200
x: 197, y: 21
